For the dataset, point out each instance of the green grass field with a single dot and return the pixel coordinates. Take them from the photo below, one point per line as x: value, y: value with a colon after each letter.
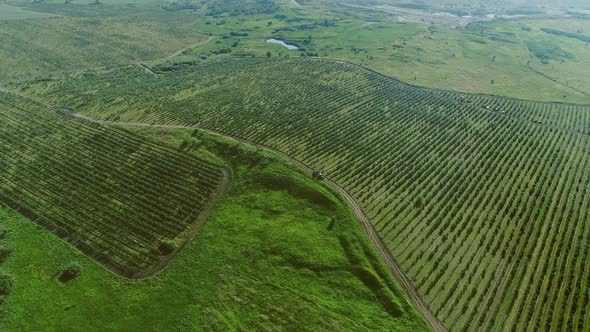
x: 464, y: 189
x: 282, y: 252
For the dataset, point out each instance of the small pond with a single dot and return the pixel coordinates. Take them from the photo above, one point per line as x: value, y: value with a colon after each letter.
x: 282, y: 43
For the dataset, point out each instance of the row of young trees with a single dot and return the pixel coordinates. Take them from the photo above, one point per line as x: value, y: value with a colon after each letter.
x: 112, y: 194
x: 482, y: 200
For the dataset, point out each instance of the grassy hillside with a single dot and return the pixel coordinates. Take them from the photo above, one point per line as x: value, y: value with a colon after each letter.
x: 497, y: 58
x: 483, y: 200
x: 81, y: 36
x: 282, y: 252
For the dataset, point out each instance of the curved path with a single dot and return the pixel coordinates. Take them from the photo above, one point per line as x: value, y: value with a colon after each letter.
x: 189, y: 234
x: 391, y: 263
x: 360, y: 214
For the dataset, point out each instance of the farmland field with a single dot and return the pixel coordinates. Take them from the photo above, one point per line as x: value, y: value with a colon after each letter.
x: 483, y: 200
x: 294, y: 165
x: 281, y: 252
x: 107, y: 192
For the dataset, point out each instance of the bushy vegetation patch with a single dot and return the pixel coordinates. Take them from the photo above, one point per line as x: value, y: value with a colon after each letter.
x: 545, y: 51
x: 167, y: 247
x: 7, y: 280
x: 240, y: 7
x: 579, y: 36
x: 70, y: 272
x: 6, y: 284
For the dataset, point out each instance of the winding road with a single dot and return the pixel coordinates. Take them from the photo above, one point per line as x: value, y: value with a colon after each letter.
x: 360, y: 214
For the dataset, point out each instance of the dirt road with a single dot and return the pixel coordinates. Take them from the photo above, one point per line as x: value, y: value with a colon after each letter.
x: 190, y: 233
x: 210, y: 38
x: 391, y: 263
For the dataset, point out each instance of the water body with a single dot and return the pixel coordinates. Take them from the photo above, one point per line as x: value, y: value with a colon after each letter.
x: 282, y: 43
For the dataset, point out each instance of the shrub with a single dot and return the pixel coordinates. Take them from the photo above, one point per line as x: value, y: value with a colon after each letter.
x: 238, y: 34
x: 70, y: 272
x: 6, y: 283
x: 167, y: 247
x: 420, y: 201
x: 4, y: 253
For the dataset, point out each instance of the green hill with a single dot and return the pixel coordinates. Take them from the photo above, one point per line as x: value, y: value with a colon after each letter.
x: 482, y: 200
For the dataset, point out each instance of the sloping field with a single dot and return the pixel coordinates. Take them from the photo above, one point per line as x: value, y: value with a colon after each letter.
x: 116, y: 197
x: 484, y: 201
x: 84, y: 36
